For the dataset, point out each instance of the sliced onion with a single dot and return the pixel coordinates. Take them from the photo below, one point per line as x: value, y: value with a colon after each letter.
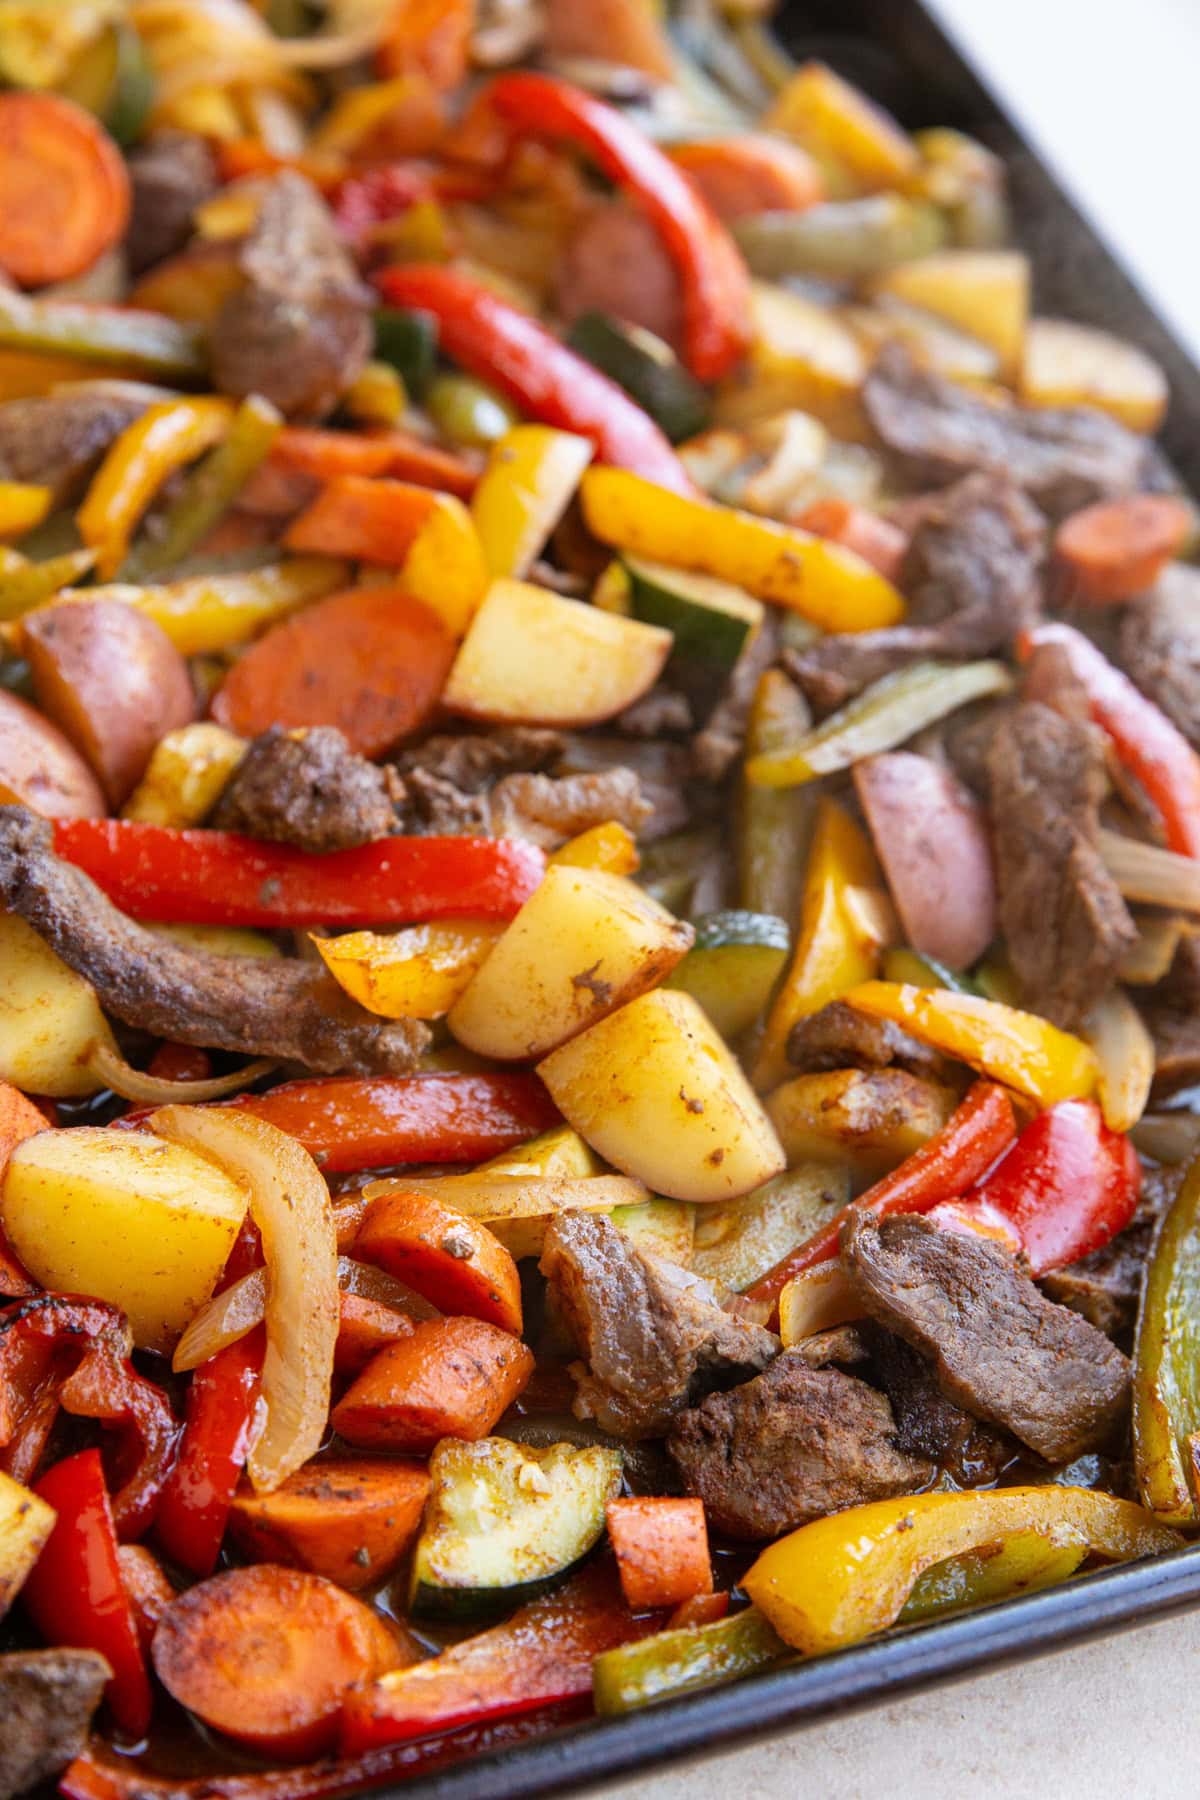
x: 370, y: 1283
x: 816, y: 1301
x: 1144, y: 872
x: 110, y: 1067
x: 1149, y: 959
x: 289, y: 1202
x: 490, y: 1195
x: 1125, y: 1052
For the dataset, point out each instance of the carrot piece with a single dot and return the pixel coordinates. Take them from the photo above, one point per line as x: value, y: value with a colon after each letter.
x: 266, y: 1655
x: 701, y: 1609
x: 147, y: 1587
x: 661, y: 1547
x: 372, y: 661
x: 751, y: 174
x: 876, y: 540
x: 1118, y: 548
x: 428, y: 37
x: 454, y: 1261
x: 65, y: 188
x: 449, y: 1378
x: 355, y: 515
x: 324, y: 455
x: 19, y: 1119
x: 349, y: 1520
x: 365, y: 1328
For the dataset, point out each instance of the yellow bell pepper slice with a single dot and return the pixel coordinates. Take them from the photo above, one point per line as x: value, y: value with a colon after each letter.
x: 204, y: 614
x: 417, y: 973
x: 1020, y: 1049
x: 609, y: 847
x: 164, y: 439
x: 532, y: 473
x: 445, y: 567
x: 185, y: 776
x: 832, y: 586
x: 22, y: 506
x: 844, y: 924
x: 843, y: 1578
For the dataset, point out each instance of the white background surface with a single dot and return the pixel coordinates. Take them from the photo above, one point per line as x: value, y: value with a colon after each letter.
x: 1110, y: 92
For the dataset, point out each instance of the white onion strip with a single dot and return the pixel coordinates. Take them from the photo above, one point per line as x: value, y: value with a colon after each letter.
x: 1144, y: 872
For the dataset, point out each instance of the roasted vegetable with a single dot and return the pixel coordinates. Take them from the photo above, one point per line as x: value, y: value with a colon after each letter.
x: 1166, y: 1402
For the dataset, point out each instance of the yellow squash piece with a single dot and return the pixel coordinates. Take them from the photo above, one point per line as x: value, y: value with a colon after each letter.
x: 846, y: 1577
x: 445, y: 568
x: 143, y: 1224
x: 1020, y: 1049
x: 860, y: 147
x: 1066, y: 364
x: 841, y: 934
x: 610, y: 847
x: 531, y: 476
x: 22, y: 506
x: 833, y: 587
x: 801, y: 356
x: 657, y: 1092
x: 417, y: 973
x: 164, y: 439
x: 185, y: 776
x: 982, y: 292
x: 25, y: 1524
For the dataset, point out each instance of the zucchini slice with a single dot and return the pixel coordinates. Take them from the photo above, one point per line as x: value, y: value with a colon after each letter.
x: 504, y: 1521
x: 733, y: 966
x: 712, y: 620
x: 664, y: 1227
x: 737, y: 1241
x: 408, y: 341
x: 647, y: 369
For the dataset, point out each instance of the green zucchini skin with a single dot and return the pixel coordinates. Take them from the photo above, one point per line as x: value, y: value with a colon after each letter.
x: 647, y: 369
x: 712, y: 620
x: 408, y: 341
x: 504, y: 1522
x: 733, y: 966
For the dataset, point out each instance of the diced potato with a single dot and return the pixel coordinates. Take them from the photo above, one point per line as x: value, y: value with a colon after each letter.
x: 185, y: 776
x: 739, y: 1241
x: 124, y: 1217
x: 664, y: 1227
x: 816, y: 1301
x: 932, y: 341
x: 417, y: 973
x: 801, y: 356
x: 657, y: 1092
x: 25, y: 1524
x: 533, y: 658
x: 871, y: 1119
x: 982, y: 292
x: 583, y: 944
x: 859, y: 146
x: 49, y: 1017
x: 1076, y: 365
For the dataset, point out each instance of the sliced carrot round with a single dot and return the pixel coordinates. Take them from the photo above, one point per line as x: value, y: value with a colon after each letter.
x: 455, y: 1262
x: 1118, y: 548
x: 64, y: 190
x: 266, y: 1655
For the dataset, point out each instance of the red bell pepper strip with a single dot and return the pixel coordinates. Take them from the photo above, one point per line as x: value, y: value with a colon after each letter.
x: 1066, y: 1187
x: 218, y: 878
x: 496, y: 342
x: 540, y: 1657
x: 712, y: 274
x: 350, y: 1122
x: 977, y: 1133
x: 58, y: 1350
x: 75, y: 1595
x: 216, y: 1438
x: 1151, y: 747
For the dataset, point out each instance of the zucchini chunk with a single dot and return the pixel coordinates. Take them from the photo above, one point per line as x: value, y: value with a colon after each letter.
x: 647, y: 369
x: 733, y: 966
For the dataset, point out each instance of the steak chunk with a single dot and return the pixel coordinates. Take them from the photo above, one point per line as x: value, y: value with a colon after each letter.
x: 1106, y: 1286
x: 927, y: 1423
x: 652, y: 1335
x: 1172, y: 1011
x: 47, y: 1698
x: 1062, y: 915
x: 499, y: 785
x: 1063, y: 457
x: 299, y: 330
x: 839, y: 1037
x: 548, y: 810
x: 790, y: 1446
x: 53, y: 440
x: 308, y: 788
x: 258, y: 1006
x: 1159, y: 647
x: 999, y: 1348
x: 170, y: 175
x: 972, y: 575
x: 474, y: 761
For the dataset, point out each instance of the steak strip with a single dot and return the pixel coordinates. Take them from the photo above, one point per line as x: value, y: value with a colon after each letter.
x: 47, y: 1698
x: 255, y: 1006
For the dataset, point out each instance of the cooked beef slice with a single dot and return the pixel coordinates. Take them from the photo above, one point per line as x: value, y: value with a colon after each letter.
x: 935, y: 429
x: 927, y: 1423
x: 308, y: 788
x: 472, y: 762
x: 973, y: 578
x: 839, y: 1037
x: 170, y: 175
x: 257, y: 1006
x: 1106, y: 1286
x: 47, y: 1698
x: 1159, y: 647
x: 1063, y: 918
x: 1000, y: 1349
x: 718, y: 745
x: 549, y: 810
x: 659, y: 713
x: 299, y: 330
x: 1172, y: 1011
x: 664, y: 772
x: 791, y: 1445
x: 652, y: 1335
x: 53, y: 440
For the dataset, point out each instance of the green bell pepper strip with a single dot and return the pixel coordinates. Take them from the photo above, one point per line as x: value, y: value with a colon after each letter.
x: 840, y: 238
x: 774, y: 825
x: 23, y: 588
x: 146, y: 341
x: 211, y: 489
x: 1166, y: 1363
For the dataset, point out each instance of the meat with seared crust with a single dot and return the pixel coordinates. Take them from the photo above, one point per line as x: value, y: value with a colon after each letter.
x: 1159, y: 647
x: 170, y: 175
x: 653, y: 1337
x: 47, y: 1698
x: 837, y: 1036
x: 257, y: 1006
x: 53, y: 440
x: 308, y: 788
x: 1000, y: 1349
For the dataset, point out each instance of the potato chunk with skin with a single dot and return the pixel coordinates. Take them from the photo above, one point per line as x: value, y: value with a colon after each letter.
x: 40, y: 769
x: 870, y: 1118
x: 982, y: 292
x: 657, y: 1092
x: 125, y: 1217
x: 581, y: 946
